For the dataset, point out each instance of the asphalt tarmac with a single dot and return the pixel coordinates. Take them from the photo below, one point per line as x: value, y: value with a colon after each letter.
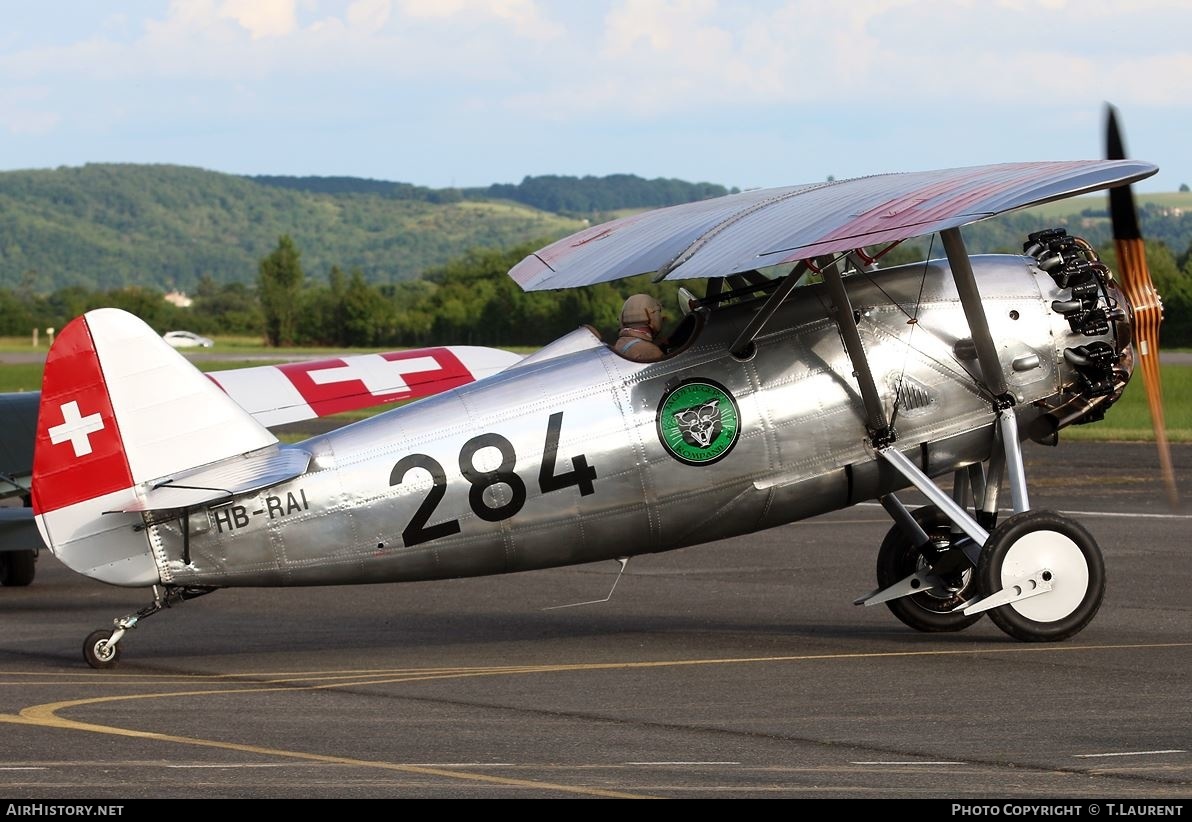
x: 734, y: 669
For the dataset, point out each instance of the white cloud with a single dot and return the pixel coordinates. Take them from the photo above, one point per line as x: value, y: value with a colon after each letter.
x: 369, y: 15
x: 661, y: 26
x: 1155, y: 80
x: 262, y: 18
x: 530, y: 71
x: 658, y: 58
x: 525, y: 17
x: 655, y: 58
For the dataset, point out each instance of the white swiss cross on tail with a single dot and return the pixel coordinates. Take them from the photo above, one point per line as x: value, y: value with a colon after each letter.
x: 76, y: 428
x: 79, y: 453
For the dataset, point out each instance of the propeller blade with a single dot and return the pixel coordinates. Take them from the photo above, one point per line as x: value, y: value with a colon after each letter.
x: 1140, y: 290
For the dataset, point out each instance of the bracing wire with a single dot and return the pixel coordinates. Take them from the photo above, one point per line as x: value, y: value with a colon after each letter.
x: 912, y: 322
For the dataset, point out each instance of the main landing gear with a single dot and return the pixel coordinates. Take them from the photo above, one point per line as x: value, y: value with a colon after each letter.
x: 1039, y: 574
x: 101, y: 649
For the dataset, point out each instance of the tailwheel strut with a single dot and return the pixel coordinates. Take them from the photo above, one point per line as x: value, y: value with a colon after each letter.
x: 101, y: 649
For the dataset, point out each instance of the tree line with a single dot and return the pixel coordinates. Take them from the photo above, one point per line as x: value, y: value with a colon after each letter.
x: 469, y: 300
x: 559, y: 194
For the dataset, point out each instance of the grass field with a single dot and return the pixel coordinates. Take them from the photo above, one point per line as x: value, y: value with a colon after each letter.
x: 1075, y: 205
x: 1130, y: 419
x: 248, y: 346
x: 27, y: 376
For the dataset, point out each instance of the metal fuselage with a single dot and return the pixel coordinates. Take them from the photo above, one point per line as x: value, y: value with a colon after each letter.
x: 456, y: 485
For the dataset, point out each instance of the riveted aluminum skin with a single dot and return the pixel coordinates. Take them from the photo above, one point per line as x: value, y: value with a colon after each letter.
x: 802, y: 446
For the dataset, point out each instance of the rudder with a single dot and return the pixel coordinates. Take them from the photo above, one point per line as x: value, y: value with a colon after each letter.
x: 121, y: 408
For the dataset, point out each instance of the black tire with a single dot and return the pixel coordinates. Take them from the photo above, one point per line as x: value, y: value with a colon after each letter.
x: 17, y: 568
x: 98, y: 653
x: 898, y: 558
x: 1058, y: 545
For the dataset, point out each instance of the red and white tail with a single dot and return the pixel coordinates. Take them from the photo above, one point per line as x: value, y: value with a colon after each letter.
x: 121, y: 408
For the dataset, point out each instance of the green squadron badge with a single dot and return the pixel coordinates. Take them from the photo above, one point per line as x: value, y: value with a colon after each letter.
x: 698, y: 421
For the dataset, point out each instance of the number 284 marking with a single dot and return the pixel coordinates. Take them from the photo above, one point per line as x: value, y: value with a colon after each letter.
x: 418, y: 531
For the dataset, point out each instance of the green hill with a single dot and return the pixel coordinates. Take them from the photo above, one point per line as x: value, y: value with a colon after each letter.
x: 105, y: 226
x: 583, y: 196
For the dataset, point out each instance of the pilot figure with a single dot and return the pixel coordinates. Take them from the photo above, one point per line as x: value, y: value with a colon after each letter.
x: 641, y: 320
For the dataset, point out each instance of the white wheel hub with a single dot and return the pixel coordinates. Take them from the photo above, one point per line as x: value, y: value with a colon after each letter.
x: 1053, y: 552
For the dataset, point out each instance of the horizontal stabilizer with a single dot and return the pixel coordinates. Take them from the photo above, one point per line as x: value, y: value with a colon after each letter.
x: 18, y: 532
x: 222, y: 481
x: 19, y: 412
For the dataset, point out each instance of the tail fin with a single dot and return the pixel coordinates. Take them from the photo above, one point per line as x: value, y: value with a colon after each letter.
x: 120, y: 407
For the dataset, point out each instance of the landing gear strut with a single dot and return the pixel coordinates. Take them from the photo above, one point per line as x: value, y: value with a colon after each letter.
x: 101, y: 649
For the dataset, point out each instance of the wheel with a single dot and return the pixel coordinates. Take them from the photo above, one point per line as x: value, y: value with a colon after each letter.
x: 1043, y: 541
x: 97, y: 651
x: 898, y: 558
x: 17, y: 567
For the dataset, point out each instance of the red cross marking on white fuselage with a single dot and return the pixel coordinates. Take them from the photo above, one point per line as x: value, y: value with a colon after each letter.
x: 76, y: 428
x: 379, y: 375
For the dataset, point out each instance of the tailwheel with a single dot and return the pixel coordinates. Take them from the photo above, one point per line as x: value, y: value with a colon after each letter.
x: 1046, y: 573
x: 102, y: 648
x: 100, y: 651
x: 933, y: 610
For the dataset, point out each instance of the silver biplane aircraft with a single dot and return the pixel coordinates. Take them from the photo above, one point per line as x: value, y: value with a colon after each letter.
x: 780, y: 399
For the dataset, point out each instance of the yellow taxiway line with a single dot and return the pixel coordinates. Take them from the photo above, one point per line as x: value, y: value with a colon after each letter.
x: 47, y: 715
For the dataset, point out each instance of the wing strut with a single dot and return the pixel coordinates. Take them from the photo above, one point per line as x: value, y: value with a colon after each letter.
x: 991, y: 367
x: 974, y: 313
x: 740, y: 346
x: 842, y: 309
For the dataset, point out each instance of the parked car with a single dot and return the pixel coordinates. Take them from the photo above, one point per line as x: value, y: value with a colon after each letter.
x: 187, y: 339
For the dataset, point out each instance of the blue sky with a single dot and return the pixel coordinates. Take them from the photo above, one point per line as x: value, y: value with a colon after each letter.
x: 468, y: 92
